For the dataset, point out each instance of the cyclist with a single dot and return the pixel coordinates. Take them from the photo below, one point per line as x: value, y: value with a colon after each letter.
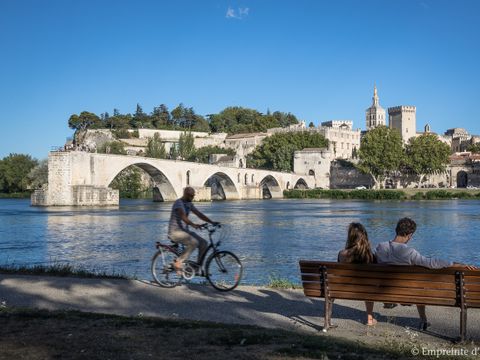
x: 178, y: 227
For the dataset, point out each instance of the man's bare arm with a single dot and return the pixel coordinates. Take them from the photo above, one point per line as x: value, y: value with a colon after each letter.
x: 202, y: 216
x: 185, y: 219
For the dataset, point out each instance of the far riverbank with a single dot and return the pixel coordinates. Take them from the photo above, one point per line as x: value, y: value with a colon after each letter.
x: 386, y: 194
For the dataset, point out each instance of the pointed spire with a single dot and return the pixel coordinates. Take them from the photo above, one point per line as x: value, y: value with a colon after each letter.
x: 375, y: 95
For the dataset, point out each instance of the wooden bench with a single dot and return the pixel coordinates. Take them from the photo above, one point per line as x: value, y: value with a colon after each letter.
x: 455, y: 287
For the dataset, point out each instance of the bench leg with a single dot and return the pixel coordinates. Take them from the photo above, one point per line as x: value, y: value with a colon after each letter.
x: 463, y: 323
x: 327, y: 314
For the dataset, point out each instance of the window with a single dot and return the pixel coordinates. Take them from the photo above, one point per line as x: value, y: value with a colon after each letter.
x: 246, y: 179
x: 252, y: 179
x: 188, y: 177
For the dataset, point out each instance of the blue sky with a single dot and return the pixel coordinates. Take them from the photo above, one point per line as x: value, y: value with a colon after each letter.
x: 316, y: 59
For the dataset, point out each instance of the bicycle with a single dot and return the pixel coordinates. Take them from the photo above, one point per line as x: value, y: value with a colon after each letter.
x: 221, y: 268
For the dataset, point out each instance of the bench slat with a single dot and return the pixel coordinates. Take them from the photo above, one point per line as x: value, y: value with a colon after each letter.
x: 472, y: 303
x: 393, y: 298
x: 387, y: 275
x: 472, y: 287
x: 473, y: 295
x: 468, y: 279
x: 358, y: 290
x: 391, y: 282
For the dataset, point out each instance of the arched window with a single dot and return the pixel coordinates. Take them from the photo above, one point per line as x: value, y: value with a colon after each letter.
x: 252, y: 179
x: 188, y: 177
x: 238, y: 180
x: 246, y: 179
x: 288, y: 185
x: 311, y: 172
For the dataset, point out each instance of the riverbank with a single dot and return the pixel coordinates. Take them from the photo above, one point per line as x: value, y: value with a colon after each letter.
x: 387, y: 194
x: 21, y: 195
x: 253, y: 322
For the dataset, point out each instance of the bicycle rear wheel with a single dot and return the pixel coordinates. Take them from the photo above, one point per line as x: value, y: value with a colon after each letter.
x: 224, y: 270
x: 162, y: 268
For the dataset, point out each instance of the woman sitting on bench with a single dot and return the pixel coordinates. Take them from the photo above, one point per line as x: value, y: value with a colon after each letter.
x: 358, y: 251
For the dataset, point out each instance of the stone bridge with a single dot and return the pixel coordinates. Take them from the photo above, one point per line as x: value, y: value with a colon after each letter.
x: 81, y: 178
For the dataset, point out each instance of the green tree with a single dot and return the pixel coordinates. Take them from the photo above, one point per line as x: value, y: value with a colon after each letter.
x: 140, y: 119
x: 129, y: 183
x: 86, y: 120
x: 14, y: 170
x: 474, y: 148
x: 426, y: 155
x: 155, y: 148
x: 113, y: 147
x: 381, y: 152
x: 161, y: 117
x: 237, y: 119
x: 202, y: 154
x: 276, y: 152
x: 186, y: 147
x: 38, y: 176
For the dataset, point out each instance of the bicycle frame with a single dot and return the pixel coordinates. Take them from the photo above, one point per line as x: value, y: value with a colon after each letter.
x: 212, y: 245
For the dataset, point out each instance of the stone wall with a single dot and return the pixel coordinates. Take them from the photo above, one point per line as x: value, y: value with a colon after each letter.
x: 343, y: 176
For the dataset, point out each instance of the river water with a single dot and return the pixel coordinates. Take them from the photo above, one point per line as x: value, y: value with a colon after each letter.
x: 269, y: 236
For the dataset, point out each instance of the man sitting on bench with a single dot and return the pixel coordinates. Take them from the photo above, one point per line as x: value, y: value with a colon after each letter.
x: 396, y: 252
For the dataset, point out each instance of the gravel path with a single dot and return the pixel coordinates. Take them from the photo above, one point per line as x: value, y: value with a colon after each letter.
x: 261, y: 306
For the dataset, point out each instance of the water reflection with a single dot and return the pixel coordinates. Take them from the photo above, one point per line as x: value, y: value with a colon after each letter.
x: 270, y: 236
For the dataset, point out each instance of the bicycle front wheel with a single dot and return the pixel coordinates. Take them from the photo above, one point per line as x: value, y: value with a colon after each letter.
x: 162, y: 269
x: 224, y: 270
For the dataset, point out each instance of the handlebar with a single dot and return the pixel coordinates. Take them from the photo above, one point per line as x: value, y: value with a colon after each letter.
x: 210, y: 227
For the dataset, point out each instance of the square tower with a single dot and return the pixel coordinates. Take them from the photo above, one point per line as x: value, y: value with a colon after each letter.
x: 404, y: 119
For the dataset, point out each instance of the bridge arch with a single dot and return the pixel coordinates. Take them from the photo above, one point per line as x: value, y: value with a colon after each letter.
x: 163, y: 189
x: 270, y: 188
x: 301, y: 184
x: 222, y: 186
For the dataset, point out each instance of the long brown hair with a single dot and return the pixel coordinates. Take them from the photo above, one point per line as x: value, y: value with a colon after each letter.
x: 358, y: 246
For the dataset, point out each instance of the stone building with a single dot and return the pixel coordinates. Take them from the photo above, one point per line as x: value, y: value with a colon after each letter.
x: 375, y: 114
x: 403, y: 118
x: 343, y: 140
x: 316, y: 162
x: 244, y: 142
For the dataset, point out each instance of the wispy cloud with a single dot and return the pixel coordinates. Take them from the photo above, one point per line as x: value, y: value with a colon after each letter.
x: 239, y: 13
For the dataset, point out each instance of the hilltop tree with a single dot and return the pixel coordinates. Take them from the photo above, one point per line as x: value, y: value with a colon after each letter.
x: 155, y: 148
x: 160, y: 117
x: 276, y: 152
x: 140, y: 119
x: 14, y: 170
x: 86, y: 120
x: 236, y: 119
x: 426, y: 155
x: 381, y: 152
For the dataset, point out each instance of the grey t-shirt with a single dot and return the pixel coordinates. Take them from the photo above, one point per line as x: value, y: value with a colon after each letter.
x: 176, y: 223
x: 394, y: 253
